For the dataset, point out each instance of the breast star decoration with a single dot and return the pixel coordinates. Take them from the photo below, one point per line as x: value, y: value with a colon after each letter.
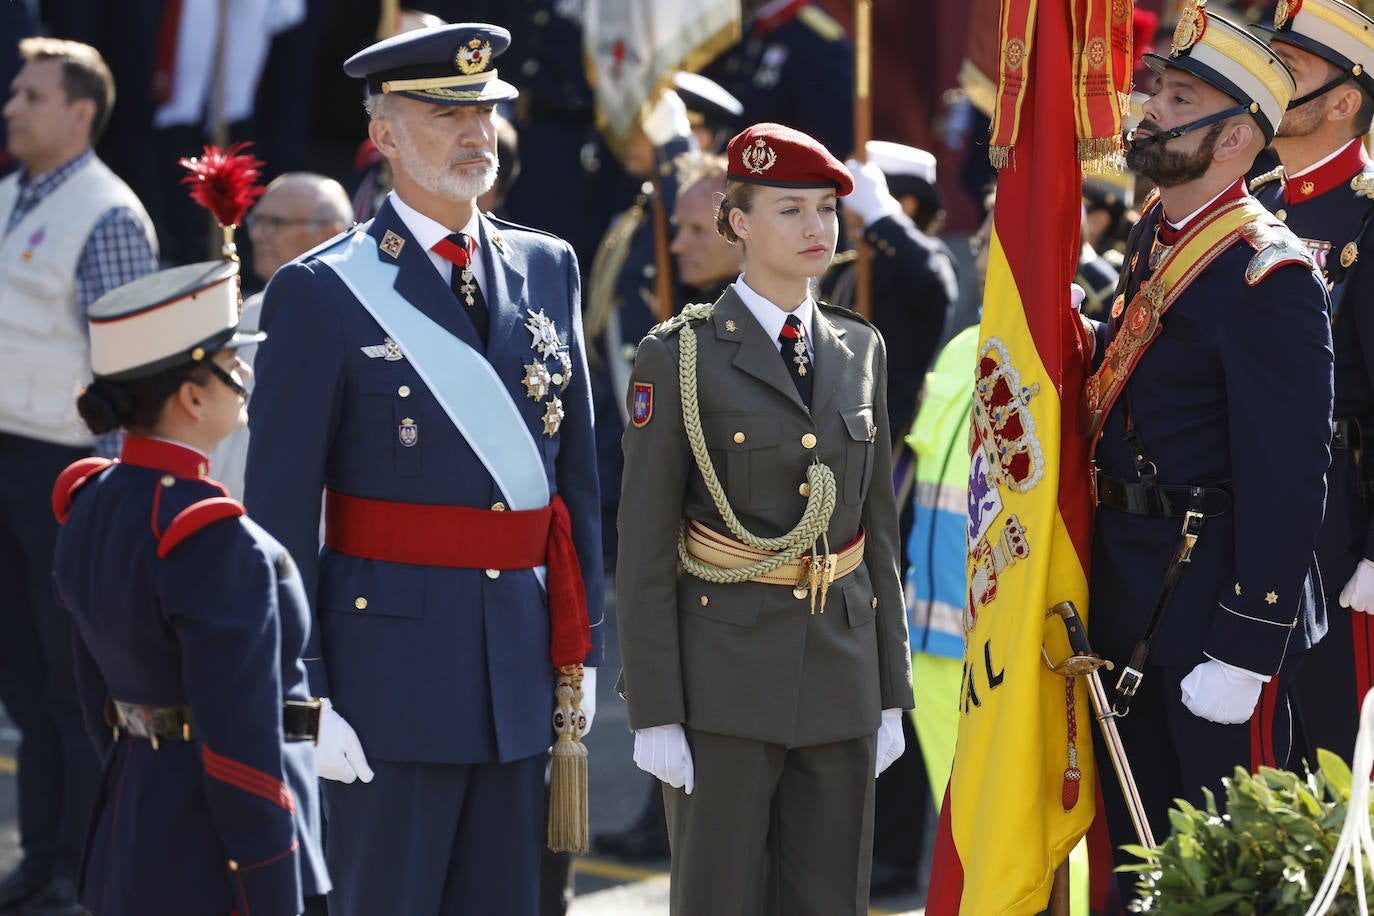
x: 553, y: 416
x: 536, y: 380
x: 545, y: 334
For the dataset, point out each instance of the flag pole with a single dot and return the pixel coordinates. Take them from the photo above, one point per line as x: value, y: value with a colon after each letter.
x: 863, y: 132
x: 663, y: 264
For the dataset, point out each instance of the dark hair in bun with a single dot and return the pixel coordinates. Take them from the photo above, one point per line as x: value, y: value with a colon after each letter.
x: 135, y: 404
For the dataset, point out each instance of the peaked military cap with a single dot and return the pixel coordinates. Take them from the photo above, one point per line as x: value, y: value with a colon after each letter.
x: 705, y: 98
x: 784, y: 157
x: 166, y: 319
x: 1330, y: 29
x: 444, y: 65
x: 1230, y: 59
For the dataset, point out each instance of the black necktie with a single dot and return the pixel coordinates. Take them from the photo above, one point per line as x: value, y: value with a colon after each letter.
x: 457, y: 249
x: 793, y: 341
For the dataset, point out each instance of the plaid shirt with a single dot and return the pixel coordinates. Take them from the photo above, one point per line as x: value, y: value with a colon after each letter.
x: 116, y: 252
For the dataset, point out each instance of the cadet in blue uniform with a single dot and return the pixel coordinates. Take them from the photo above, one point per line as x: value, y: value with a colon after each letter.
x: 794, y: 66
x: 191, y: 623
x: 760, y: 609
x: 1210, y: 413
x: 1324, y: 191
x: 426, y: 371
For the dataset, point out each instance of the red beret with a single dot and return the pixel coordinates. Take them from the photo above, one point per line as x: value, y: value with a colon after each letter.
x: 782, y: 157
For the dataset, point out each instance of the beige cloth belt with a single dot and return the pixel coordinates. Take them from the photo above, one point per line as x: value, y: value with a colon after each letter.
x: 724, y: 552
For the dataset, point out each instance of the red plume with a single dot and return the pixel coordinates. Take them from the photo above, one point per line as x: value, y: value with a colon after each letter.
x: 224, y: 181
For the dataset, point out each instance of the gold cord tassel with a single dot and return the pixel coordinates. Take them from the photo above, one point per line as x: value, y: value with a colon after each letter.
x: 568, y: 815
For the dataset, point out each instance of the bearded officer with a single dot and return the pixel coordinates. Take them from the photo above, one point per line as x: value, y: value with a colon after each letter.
x: 1324, y: 191
x: 426, y: 371
x: 1210, y: 414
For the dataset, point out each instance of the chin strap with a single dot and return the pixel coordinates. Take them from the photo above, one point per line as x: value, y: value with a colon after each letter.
x: 1174, y: 133
x: 1320, y: 90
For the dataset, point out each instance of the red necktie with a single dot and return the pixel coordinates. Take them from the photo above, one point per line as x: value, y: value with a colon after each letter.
x: 457, y: 249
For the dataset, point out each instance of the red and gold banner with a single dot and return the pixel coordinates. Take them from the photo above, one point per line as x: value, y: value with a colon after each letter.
x: 1023, y: 783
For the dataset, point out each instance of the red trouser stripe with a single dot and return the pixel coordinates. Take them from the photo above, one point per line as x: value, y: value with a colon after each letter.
x: 1262, y: 727
x: 244, y: 777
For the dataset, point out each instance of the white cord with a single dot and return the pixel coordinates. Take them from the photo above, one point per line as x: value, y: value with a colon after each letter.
x: 1356, y: 840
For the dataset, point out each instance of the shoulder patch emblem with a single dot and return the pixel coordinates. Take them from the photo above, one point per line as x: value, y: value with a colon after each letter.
x: 642, y: 404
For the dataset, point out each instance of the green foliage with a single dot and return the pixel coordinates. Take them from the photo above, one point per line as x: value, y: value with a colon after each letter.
x: 1266, y: 856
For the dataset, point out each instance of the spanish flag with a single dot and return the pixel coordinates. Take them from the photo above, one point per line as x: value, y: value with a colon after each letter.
x: 1022, y: 790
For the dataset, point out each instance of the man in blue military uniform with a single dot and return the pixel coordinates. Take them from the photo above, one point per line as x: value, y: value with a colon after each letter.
x: 427, y: 372
x: 794, y: 66
x: 1324, y: 191
x: 1210, y: 414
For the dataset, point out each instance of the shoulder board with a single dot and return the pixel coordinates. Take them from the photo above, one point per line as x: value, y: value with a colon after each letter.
x: 1363, y: 185
x: 819, y: 21
x: 76, y: 476
x: 195, y: 517
x: 1272, y: 175
x: 843, y: 312
x: 700, y: 311
x: 1274, y: 245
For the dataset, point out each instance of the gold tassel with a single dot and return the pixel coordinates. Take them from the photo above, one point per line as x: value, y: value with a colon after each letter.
x: 568, y: 814
x: 1100, y: 155
x: 999, y: 156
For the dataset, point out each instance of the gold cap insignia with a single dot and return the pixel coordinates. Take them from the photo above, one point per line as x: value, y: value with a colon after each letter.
x: 474, y: 56
x: 1192, y: 22
x: 759, y: 158
x: 392, y: 243
x: 1349, y: 254
x: 1284, y: 11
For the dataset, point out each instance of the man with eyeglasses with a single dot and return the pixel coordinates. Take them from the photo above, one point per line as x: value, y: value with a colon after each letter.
x: 297, y: 212
x: 1324, y: 191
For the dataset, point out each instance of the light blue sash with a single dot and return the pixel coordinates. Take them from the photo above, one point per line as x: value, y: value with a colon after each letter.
x: 461, y: 379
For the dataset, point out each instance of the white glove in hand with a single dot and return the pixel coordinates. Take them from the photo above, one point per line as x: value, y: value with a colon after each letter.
x: 870, y: 200
x: 891, y: 741
x: 667, y: 119
x: 1358, y: 594
x: 1222, y: 693
x: 339, y: 754
x: 588, y: 697
x: 662, y: 751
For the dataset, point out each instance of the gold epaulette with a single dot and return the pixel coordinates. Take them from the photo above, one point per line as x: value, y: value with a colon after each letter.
x: 1260, y: 181
x: 1363, y: 185
x: 698, y: 311
x: 1274, y: 244
x: 819, y: 21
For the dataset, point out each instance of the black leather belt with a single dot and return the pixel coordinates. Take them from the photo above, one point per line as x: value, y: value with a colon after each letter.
x: 1346, y: 433
x: 300, y: 720
x: 1159, y: 500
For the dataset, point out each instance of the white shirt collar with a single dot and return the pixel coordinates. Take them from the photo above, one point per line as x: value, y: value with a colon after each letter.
x: 1180, y: 224
x: 772, y: 318
x: 429, y: 232
x: 1321, y: 162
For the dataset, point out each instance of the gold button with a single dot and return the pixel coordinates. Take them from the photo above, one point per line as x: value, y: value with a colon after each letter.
x: 493, y: 574
x: 1281, y: 214
x: 800, y: 592
x: 705, y: 601
x: 202, y: 469
x: 498, y: 507
x: 360, y: 602
x: 875, y: 601
x: 804, y: 489
x: 168, y: 480
x: 739, y: 438
x: 809, y: 440
x: 404, y: 391
x: 233, y: 866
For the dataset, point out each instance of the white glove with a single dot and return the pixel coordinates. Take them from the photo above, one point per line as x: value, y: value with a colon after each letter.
x: 588, y: 697
x: 1222, y: 693
x: 339, y: 754
x: 870, y: 200
x: 667, y: 119
x: 891, y: 741
x: 662, y: 751
x: 1358, y: 594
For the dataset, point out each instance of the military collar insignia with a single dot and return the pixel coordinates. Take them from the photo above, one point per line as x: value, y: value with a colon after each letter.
x: 730, y: 326
x: 758, y: 157
x: 498, y: 241
x: 473, y: 57
x: 392, y: 244
x: 388, y: 350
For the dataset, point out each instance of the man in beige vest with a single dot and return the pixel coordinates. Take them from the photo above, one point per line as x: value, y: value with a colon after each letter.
x: 70, y: 230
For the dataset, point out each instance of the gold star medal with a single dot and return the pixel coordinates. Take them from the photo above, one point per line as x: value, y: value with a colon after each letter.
x: 536, y: 381
x: 553, y: 417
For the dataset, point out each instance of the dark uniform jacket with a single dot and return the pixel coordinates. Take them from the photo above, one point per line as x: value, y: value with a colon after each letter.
x: 229, y: 820
x: 429, y: 664
x: 749, y: 659
x: 1330, y: 208
x: 1235, y: 391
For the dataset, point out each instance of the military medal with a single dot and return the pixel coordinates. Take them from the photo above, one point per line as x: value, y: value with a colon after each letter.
x: 1349, y: 254
x: 566, y: 359
x: 408, y: 433
x: 388, y: 350
x: 468, y: 287
x: 545, y: 334
x: 553, y: 417
x: 536, y: 380
x: 801, y: 359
